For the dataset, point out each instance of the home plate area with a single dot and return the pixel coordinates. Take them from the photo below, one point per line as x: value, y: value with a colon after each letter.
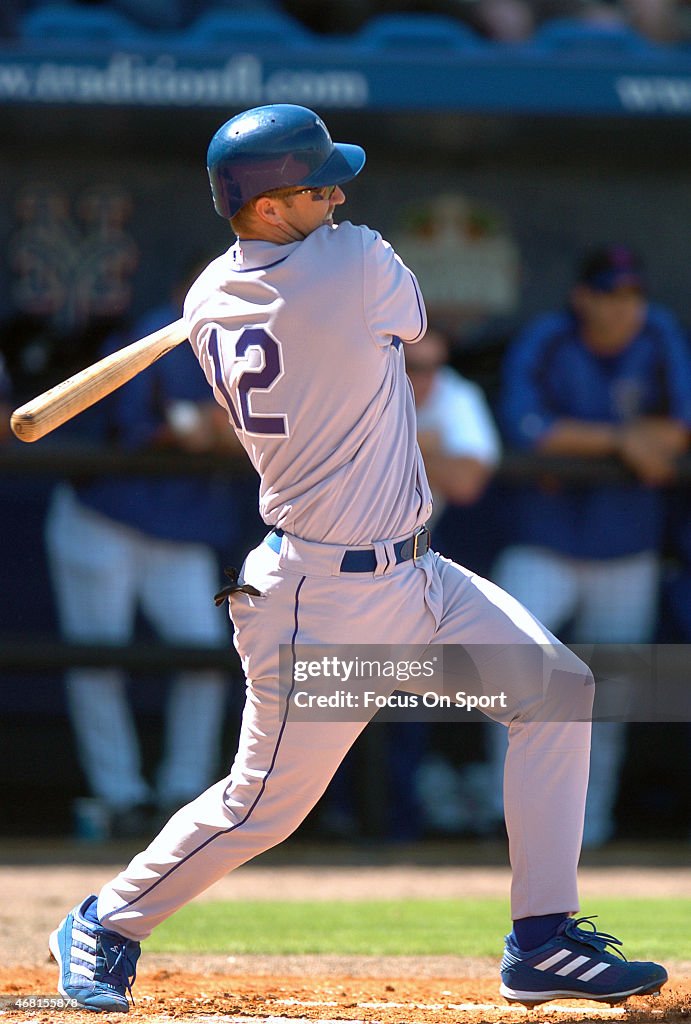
x: 164, y: 995
x: 385, y: 1001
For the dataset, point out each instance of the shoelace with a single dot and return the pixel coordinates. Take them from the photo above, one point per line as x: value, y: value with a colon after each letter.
x: 592, y: 937
x: 122, y: 969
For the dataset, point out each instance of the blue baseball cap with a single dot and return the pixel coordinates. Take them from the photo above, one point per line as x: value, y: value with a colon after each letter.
x: 611, y: 267
x: 276, y: 146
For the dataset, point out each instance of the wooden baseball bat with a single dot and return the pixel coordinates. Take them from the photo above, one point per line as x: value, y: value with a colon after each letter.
x: 60, y: 403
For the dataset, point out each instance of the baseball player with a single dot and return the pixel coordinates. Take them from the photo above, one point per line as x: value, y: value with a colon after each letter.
x: 301, y: 329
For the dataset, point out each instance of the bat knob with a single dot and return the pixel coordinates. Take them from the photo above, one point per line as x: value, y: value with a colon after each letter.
x: 21, y: 426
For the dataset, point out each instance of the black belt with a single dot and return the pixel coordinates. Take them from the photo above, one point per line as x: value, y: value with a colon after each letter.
x: 365, y: 559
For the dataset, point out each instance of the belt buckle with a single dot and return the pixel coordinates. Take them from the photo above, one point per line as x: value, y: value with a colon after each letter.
x: 418, y: 549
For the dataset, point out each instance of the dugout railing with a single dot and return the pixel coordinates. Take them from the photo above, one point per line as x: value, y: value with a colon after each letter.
x: 40, y: 652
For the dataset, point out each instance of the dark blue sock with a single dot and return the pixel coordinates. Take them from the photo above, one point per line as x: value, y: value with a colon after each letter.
x: 91, y: 913
x: 531, y: 932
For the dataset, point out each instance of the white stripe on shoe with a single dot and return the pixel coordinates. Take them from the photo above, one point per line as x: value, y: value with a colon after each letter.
x: 84, y: 971
x: 83, y: 955
x: 594, y: 971
x: 83, y: 936
x: 574, y: 965
x: 552, y: 960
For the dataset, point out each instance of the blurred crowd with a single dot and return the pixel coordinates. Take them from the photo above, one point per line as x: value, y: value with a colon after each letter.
x: 510, y: 21
x: 659, y: 21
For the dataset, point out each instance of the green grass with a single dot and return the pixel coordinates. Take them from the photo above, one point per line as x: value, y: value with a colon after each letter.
x: 650, y: 928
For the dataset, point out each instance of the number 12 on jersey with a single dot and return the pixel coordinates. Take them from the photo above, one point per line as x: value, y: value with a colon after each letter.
x: 257, y: 366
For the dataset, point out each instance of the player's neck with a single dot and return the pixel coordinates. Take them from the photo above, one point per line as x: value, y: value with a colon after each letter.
x: 278, y: 232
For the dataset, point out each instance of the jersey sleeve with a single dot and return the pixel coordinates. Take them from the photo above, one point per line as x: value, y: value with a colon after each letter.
x: 393, y: 302
x: 524, y: 413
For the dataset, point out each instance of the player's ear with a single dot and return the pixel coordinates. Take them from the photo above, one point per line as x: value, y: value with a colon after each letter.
x: 267, y: 209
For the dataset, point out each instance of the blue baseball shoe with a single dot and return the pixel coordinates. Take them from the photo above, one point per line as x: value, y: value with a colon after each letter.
x: 574, y: 964
x: 97, y: 967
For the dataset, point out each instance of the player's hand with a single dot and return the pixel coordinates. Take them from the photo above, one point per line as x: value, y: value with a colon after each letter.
x: 650, y: 448
x: 670, y: 434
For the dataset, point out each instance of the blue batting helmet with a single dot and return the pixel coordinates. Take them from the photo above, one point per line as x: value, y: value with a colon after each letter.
x: 277, y: 146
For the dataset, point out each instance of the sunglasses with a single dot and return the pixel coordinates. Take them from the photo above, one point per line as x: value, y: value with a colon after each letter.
x: 319, y: 193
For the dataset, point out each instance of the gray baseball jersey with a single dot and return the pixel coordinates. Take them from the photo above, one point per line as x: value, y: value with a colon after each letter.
x: 302, y: 345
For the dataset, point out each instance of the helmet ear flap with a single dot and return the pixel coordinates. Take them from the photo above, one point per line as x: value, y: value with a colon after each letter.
x: 277, y: 146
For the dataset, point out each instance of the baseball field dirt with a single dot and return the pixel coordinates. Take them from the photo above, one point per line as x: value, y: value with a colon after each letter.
x: 37, y: 887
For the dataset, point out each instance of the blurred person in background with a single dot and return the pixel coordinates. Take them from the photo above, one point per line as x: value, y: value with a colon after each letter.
x: 607, y: 377
x: 457, y: 434
x: 121, y: 545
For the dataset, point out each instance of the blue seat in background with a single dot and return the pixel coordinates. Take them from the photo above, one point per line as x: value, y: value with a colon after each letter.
x: 66, y: 23
x: 417, y: 32
x: 580, y: 37
x: 243, y: 6
x: 243, y: 28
